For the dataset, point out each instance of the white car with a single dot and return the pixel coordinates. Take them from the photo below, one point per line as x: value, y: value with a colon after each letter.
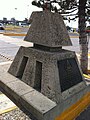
x: 23, y: 24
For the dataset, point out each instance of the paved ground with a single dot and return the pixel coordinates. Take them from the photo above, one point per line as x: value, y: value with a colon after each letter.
x: 10, y: 45
x: 6, y: 104
x: 8, y: 49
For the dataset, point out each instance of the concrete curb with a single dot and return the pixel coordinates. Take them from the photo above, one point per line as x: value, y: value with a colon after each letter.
x: 23, y: 34
x: 1, y: 32
x: 72, y: 112
x: 74, y: 36
x: 14, y: 34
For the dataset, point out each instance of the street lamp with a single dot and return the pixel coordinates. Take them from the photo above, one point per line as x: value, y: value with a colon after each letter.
x: 27, y: 11
x: 15, y: 10
x: 15, y: 15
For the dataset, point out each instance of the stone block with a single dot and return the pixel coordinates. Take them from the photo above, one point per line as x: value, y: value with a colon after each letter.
x: 39, y: 105
x: 28, y: 98
x: 49, y: 78
x: 48, y: 29
x: 19, y: 88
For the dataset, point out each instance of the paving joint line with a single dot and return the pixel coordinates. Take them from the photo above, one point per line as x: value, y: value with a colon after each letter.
x: 6, y: 57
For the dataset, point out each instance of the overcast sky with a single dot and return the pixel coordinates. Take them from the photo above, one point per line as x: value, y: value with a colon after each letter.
x: 24, y: 9
x: 20, y: 9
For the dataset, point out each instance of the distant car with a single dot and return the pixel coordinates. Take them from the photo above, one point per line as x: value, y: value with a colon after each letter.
x: 23, y: 24
x: 1, y: 26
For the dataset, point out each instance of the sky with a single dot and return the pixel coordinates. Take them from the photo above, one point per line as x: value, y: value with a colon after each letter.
x: 21, y: 9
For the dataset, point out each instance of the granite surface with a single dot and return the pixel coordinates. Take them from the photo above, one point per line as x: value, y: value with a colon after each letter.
x: 48, y: 29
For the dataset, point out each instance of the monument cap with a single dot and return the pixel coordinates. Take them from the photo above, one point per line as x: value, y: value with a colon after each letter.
x: 48, y: 29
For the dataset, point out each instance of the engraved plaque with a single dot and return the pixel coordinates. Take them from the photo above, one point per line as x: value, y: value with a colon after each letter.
x: 69, y: 73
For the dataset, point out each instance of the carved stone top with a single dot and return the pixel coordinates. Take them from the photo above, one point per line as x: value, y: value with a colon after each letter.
x: 48, y: 29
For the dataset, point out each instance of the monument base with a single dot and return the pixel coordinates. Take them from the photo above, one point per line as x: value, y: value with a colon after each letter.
x: 35, y: 104
x: 54, y: 74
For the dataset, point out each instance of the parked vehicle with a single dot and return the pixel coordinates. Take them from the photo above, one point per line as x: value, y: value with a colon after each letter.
x: 1, y: 26
x: 23, y: 24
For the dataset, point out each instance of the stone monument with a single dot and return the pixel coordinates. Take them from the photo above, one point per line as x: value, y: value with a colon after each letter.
x: 46, y: 67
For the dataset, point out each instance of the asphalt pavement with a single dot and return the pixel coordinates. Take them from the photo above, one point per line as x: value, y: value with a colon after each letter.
x: 9, y: 47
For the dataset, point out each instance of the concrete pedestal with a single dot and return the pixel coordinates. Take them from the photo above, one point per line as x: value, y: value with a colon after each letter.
x: 54, y: 74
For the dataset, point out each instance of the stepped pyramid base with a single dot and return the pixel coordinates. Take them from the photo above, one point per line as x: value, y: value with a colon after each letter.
x: 45, y: 80
x: 29, y: 100
x: 54, y: 74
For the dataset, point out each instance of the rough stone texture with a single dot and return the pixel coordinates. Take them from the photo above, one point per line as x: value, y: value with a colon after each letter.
x: 50, y: 81
x: 28, y: 98
x: 73, y: 98
x: 38, y: 67
x: 42, y: 108
x: 48, y: 29
x: 36, y: 103
x: 19, y: 88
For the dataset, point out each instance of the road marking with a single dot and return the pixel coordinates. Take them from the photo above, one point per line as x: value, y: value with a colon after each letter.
x: 72, y: 112
x: 4, y: 63
x: 3, y: 56
x: 14, y: 34
x: 6, y: 104
x: 87, y: 76
x: 74, y: 36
